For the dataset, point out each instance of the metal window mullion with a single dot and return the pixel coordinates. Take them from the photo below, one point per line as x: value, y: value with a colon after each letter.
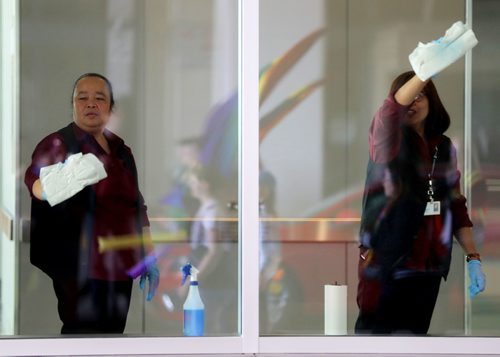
x: 249, y: 170
x: 467, y: 171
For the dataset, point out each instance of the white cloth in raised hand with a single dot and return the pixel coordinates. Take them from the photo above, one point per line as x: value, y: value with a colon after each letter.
x: 63, y: 180
x: 429, y: 59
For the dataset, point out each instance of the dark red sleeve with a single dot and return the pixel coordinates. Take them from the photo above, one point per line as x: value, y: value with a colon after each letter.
x: 458, y: 201
x: 385, y: 131
x: 49, y: 151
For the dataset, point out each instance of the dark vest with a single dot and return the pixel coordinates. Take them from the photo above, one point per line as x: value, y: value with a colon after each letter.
x: 60, y: 236
x: 408, y: 211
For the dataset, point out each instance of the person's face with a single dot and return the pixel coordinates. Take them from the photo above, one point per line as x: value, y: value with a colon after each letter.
x: 418, y: 112
x: 199, y: 188
x: 188, y: 156
x: 91, y: 104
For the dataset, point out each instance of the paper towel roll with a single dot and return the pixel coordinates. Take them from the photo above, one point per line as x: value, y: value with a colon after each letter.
x: 335, y: 310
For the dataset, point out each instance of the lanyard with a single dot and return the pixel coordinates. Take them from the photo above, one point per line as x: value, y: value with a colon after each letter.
x: 430, y: 191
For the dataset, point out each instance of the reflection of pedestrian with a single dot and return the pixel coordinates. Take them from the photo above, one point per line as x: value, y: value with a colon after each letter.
x: 210, y: 254
x: 270, y: 246
x: 92, y: 288
x: 406, y: 244
x: 179, y: 202
x: 391, y: 235
x: 203, y: 232
x: 273, y: 294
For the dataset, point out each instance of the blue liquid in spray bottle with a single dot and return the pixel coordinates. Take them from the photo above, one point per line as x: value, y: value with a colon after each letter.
x: 194, y: 310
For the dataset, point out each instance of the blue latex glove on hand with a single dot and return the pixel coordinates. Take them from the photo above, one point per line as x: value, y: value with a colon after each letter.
x: 153, y: 275
x: 477, y: 278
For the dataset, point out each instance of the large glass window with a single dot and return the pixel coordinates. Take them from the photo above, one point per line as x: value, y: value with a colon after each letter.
x: 179, y: 70
x: 323, y: 78
x: 173, y: 66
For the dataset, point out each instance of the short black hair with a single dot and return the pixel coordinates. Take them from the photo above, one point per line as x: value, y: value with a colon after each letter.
x: 107, y: 81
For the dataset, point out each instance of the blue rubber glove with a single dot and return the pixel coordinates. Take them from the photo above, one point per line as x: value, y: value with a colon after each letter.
x: 477, y: 278
x: 153, y: 275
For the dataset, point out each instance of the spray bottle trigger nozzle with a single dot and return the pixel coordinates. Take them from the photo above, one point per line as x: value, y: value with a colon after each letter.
x: 186, y: 271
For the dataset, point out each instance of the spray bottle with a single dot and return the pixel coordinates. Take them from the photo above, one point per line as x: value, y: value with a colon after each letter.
x: 194, y: 310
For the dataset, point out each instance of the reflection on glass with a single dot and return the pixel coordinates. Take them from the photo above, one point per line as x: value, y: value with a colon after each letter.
x: 275, y: 295
x: 213, y: 252
x: 173, y: 65
x: 318, y: 151
x: 282, y: 289
x: 484, y: 161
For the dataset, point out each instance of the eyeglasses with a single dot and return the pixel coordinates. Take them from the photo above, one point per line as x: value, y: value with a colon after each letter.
x: 419, y: 97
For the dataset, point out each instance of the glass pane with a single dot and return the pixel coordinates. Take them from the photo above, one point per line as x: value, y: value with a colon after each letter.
x: 485, y: 161
x: 323, y: 78
x: 173, y: 67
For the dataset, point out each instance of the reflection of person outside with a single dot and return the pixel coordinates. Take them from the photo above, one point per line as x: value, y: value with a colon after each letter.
x: 407, y: 132
x: 386, y: 242
x: 92, y: 288
x: 179, y: 201
x: 203, y: 231
x: 209, y: 254
x: 270, y: 247
x: 274, y: 295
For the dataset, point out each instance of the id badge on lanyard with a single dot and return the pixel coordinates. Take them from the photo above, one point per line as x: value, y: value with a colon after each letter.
x: 432, y: 208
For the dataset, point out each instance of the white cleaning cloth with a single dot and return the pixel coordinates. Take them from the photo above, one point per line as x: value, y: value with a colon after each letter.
x: 63, y: 180
x: 431, y: 58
